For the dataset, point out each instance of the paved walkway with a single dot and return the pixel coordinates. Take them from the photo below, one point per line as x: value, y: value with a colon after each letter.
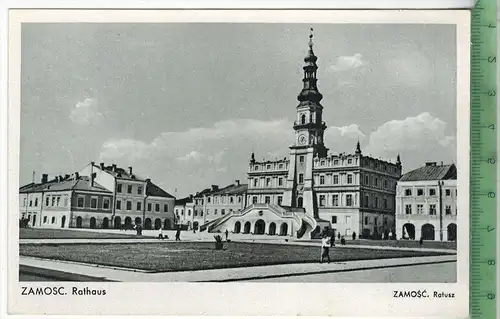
x: 228, y: 274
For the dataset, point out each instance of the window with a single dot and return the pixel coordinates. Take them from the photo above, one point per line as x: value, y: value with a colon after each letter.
x: 349, y: 200
x: 119, y: 188
x: 93, y: 203
x: 367, y: 201
x: 432, y: 209
x: 80, y: 202
x: 375, y: 220
x: 376, y: 182
x: 118, y: 204
x: 209, y: 199
x: 129, y: 189
x: 44, y: 219
x: 408, y: 192
x: 157, y: 207
x: 367, y: 180
x: 376, y: 202
x: 129, y: 205
x: 231, y: 200
x: 256, y: 167
x: 189, y: 212
x: 267, y: 200
x: 301, y: 159
x: 408, y: 209
x: 281, y: 166
x: 53, y: 201
x: 165, y: 208
x: 349, y: 161
x: 105, y: 203
x: 150, y: 207
x: 239, y: 199
x: 223, y: 211
x: 36, y: 202
x: 301, y: 178
x: 268, y: 166
x: 385, y: 183
x: 448, y: 210
x: 139, y: 206
x: 420, y: 209
x: 448, y: 192
x: 335, y: 200
x: 322, y: 180
x: 208, y: 212
x: 65, y: 202
x: 215, y: 211
x: 366, y: 220
x: 322, y: 200
x: 182, y: 212
x: 53, y: 220
x: 280, y: 181
x: 334, y: 219
x: 47, y: 200
x: 336, y: 162
x: 254, y: 200
x: 335, y: 179
x: 139, y: 190
x: 420, y: 192
x: 58, y: 200
x: 432, y: 192
x: 349, y: 179
x: 268, y: 182
x: 280, y: 199
x: 255, y: 182
x: 385, y: 203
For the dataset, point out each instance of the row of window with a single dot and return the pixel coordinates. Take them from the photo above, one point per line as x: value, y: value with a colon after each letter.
x: 105, y: 203
x: 267, y: 199
x: 128, y: 206
x: 269, y: 166
x: 222, y: 199
x: 335, y: 201
x: 55, y: 201
x: 119, y: 189
x: 216, y: 211
x: 431, y: 209
x: 52, y: 220
x: 335, y: 162
x: 431, y: 192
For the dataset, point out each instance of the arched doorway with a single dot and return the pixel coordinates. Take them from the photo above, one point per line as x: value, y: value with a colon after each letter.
x: 138, y: 220
x: 157, y: 223
x: 408, y: 231
x: 428, y: 232
x: 63, y: 221
x: 147, y: 223
x: 246, y: 229
x: 167, y: 224
x: 79, y: 222
x: 237, y: 227
x: 260, y: 227
x: 118, y: 222
x: 128, y: 221
x: 284, y: 229
x: 452, y: 232
x: 92, y: 222
x: 105, y: 223
x: 272, y: 229
x: 300, y: 202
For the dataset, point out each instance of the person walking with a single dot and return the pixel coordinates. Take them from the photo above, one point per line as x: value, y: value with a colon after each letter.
x: 332, y: 239
x: 227, y: 234
x: 178, y: 234
x: 160, y: 233
x: 325, y: 248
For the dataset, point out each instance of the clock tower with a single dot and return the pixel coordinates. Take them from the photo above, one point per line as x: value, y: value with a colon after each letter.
x: 309, y: 131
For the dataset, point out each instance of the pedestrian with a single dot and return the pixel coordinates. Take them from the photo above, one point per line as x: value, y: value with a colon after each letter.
x: 342, y: 241
x: 325, y: 248
x: 332, y: 239
x: 227, y: 234
x: 178, y: 234
x: 160, y: 233
x: 421, y: 241
x: 338, y: 235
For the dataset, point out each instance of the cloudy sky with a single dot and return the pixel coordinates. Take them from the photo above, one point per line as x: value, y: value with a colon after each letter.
x: 186, y: 104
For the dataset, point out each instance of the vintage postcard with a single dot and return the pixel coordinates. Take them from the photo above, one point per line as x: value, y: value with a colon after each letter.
x: 239, y: 162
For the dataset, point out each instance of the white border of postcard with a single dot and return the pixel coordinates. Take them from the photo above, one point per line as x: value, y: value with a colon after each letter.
x: 304, y: 299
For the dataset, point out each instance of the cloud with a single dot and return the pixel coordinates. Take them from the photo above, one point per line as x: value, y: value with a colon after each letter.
x: 344, y: 138
x: 86, y: 112
x: 415, y: 138
x: 349, y: 70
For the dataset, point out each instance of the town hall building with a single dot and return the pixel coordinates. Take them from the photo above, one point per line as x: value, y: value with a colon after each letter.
x: 314, y: 189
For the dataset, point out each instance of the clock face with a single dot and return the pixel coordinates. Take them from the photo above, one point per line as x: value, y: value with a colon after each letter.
x: 302, y: 139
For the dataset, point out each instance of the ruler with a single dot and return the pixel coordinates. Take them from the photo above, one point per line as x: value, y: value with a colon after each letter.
x: 483, y: 169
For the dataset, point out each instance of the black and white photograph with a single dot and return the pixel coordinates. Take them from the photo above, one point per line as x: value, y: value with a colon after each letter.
x: 240, y: 152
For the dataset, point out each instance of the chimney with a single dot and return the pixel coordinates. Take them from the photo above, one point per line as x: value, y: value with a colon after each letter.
x: 66, y: 176
x: 430, y: 164
x: 191, y: 196
x: 45, y: 178
x: 130, y: 170
x: 77, y: 175
x: 92, y: 163
x: 114, y: 167
x: 215, y: 187
x: 148, y: 180
x: 237, y: 182
x: 102, y: 166
x: 57, y: 179
x: 441, y: 163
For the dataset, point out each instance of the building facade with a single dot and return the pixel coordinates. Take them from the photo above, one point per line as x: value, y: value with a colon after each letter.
x: 426, y: 203
x: 312, y: 189
x: 137, y: 201
x: 72, y: 201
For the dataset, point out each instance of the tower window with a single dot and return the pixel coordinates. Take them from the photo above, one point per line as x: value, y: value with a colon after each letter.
x: 303, y: 119
x: 301, y: 159
x: 301, y: 178
x: 349, y: 179
x: 349, y: 161
x: 322, y: 200
x: 349, y: 200
x: 335, y: 179
x: 322, y: 180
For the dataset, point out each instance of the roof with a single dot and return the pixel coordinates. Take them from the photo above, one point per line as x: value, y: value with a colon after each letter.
x: 83, y: 183
x: 155, y: 190
x: 233, y: 189
x: 184, y: 201
x: 431, y: 172
x: 121, y: 173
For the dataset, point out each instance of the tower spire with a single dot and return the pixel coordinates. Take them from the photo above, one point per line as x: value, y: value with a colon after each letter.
x: 358, y: 148
x: 311, y: 34
x: 310, y: 93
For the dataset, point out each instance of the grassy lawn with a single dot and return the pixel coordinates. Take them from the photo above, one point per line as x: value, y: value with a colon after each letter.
x: 172, y: 256
x: 40, y: 233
